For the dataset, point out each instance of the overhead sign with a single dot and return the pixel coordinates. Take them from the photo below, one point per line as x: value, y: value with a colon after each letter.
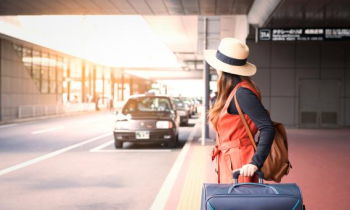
x: 304, y: 34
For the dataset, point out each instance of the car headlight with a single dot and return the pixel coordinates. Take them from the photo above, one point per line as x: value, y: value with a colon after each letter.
x: 122, y: 125
x: 164, y: 124
x: 182, y: 113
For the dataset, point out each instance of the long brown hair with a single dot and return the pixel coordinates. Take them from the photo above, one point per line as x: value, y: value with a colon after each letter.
x: 226, y: 83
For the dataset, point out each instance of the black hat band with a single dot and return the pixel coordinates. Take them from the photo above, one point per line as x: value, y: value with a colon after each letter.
x: 229, y: 60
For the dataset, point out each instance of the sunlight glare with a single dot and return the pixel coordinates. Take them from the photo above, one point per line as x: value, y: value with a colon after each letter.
x: 115, y: 41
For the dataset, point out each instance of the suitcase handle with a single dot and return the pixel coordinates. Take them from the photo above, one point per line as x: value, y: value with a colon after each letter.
x: 238, y: 172
x: 255, y: 184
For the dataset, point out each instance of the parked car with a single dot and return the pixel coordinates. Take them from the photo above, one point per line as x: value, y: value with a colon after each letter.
x: 195, y: 104
x: 187, y: 104
x: 191, y: 104
x: 182, y: 111
x: 147, y: 119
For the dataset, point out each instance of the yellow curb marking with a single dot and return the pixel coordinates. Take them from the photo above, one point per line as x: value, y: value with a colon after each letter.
x: 192, y: 190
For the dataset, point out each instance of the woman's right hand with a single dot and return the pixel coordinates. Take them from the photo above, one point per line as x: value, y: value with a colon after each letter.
x: 248, y: 170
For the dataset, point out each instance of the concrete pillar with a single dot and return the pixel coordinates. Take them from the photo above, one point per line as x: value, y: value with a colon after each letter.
x: 103, y: 87
x: 94, y: 84
x: 131, y: 83
x: 68, y: 83
x: 90, y: 83
x: 206, y: 99
x: 83, y: 91
x: 112, y: 83
x: 0, y: 80
x: 112, y: 89
x: 56, y: 80
x: 122, y: 85
x: 206, y: 68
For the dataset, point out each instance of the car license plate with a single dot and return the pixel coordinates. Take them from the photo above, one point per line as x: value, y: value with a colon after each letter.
x: 142, y: 134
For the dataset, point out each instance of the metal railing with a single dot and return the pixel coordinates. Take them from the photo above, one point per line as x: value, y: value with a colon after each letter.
x: 47, y: 110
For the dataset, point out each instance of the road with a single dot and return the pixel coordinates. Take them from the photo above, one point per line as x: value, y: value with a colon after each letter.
x: 71, y: 163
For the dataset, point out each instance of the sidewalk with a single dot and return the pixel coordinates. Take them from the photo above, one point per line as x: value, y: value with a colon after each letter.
x: 320, y: 160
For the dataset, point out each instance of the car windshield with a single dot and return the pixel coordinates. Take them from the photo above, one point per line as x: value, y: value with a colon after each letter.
x: 147, y: 104
x: 178, y: 102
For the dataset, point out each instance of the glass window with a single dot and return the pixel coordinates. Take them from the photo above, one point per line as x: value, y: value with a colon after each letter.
x: 27, y: 58
x: 37, y: 83
x: 107, y: 73
x: 18, y: 49
x: 60, y: 67
x: 45, y: 59
x: 147, y: 104
x: 66, y: 65
x: 87, y: 69
x: 36, y: 64
x: 99, y: 72
x: 52, y: 86
x: 45, y: 86
x: 45, y: 66
x: 45, y: 73
x: 52, y: 73
x: 59, y: 87
x: 75, y: 68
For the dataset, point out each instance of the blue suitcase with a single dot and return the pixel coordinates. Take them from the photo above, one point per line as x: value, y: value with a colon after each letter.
x: 251, y: 196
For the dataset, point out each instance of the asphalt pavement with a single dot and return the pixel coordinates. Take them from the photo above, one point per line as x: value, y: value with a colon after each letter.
x: 71, y: 163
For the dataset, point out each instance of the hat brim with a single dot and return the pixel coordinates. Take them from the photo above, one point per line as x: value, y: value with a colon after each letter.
x: 248, y: 69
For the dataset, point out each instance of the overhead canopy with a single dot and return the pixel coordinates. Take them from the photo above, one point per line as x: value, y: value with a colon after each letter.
x: 291, y: 13
x: 311, y: 13
x: 124, y: 7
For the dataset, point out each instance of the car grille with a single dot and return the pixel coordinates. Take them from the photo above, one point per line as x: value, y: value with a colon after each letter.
x: 143, y: 124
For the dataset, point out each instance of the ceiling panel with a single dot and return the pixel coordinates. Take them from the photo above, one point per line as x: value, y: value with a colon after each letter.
x: 311, y: 13
x: 40, y: 6
x: 123, y: 6
x: 224, y: 7
x: 241, y: 7
x: 191, y: 11
x: 176, y: 11
x: 8, y: 7
x: 157, y: 7
x: 104, y: 4
x: 127, y: 7
x: 74, y: 6
x: 190, y: 3
x: 91, y: 6
x: 55, y: 4
x: 141, y: 7
x: 191, y: 7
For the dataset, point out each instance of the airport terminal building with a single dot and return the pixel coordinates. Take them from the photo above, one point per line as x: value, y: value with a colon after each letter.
x: 37, y: 81
x: 301, y: 50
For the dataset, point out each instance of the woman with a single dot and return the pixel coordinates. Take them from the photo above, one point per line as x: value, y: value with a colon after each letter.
x: 234, y: 149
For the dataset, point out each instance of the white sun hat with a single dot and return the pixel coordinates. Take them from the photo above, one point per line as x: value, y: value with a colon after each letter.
x: 231, y: 57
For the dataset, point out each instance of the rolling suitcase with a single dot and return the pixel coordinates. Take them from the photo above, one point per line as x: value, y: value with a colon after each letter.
x: 251, y: 196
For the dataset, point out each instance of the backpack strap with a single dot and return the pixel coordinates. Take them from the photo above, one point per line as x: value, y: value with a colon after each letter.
x: 245, y: 122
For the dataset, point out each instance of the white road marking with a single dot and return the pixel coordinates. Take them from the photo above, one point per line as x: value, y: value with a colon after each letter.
x: 100, y: 147
x: 93, y: 121
x: 164, y: 192
x: 50, y: 155
x: 47, y: 130
x: 6, y: 126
